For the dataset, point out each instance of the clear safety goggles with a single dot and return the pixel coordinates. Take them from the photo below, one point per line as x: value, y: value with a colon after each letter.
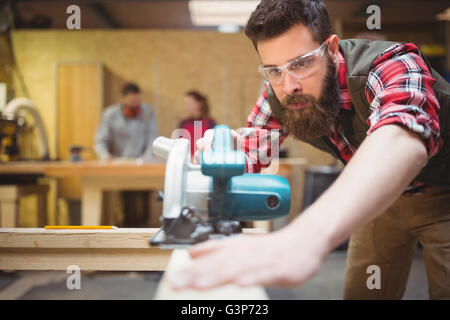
x: 299, y: 68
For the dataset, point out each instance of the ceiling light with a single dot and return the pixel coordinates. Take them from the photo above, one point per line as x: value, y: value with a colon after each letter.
x: 217, y: 12
x: 228, y: 28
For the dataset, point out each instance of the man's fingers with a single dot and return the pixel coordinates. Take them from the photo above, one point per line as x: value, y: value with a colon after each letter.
x: 236, y: 139
x: 199, y: 144
x: 197, y: 157
x: 207, y: 247
x: 204, y: 274
x: 205, y: 143
x: 259, y: 277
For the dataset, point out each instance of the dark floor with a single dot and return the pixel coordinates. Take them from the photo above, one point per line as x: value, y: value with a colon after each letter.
x: 328, y: 284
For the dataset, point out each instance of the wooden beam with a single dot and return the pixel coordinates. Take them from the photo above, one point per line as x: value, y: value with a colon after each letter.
x: 117, y: 249
x: 180, y: 259
x: 56, y: 249
x: 105, y: 169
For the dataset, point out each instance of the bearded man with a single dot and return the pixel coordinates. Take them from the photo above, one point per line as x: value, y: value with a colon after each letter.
x: 383, y: 111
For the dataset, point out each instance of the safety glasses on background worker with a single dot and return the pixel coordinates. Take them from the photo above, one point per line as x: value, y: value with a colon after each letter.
x: 299, y: 68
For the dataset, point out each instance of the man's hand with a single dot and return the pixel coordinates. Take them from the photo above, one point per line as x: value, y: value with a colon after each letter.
x: 282, y: 258
x: 206, y: 142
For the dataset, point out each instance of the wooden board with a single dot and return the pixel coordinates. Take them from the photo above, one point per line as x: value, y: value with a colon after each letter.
x: 79, y: 105
x: 53, y: 249
x: 23, y: 167
x: 60, y: 169
x: 105, y: 169
x: 180, y: 259
x: 117, y: 249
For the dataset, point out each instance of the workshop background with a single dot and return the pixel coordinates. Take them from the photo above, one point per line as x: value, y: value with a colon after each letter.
x: 71, y: 76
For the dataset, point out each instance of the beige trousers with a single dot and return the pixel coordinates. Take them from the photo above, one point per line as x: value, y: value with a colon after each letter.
x: 390, y: 242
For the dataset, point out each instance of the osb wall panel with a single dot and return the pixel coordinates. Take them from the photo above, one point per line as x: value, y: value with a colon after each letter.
x: 3, y: 58
x: 164, y: 63
x: 6, y: 60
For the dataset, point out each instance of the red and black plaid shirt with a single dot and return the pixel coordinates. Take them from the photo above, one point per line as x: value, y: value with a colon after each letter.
x: 399, y: 90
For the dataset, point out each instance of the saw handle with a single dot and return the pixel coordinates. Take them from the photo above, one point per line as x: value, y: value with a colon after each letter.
x: 223, y: 141
x: 222, y: 161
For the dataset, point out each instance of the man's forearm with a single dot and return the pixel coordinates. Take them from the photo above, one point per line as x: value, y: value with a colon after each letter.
x: 381, y: 169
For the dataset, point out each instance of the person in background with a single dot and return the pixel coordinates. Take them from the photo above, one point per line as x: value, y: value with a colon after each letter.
x: 127, y: 130
x: 197, y: 108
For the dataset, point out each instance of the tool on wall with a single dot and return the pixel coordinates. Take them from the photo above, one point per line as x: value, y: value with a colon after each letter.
x: 18, y: 117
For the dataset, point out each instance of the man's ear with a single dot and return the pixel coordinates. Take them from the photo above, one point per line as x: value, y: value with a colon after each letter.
x: 333, y: 48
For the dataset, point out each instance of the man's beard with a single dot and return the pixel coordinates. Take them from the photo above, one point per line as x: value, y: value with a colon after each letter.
x: 317, y: 117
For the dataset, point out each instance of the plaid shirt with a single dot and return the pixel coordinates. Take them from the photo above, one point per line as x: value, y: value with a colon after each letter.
x: 399, y: 90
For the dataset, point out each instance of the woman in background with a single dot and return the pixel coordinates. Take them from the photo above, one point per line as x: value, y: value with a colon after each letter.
x: 198, y: 119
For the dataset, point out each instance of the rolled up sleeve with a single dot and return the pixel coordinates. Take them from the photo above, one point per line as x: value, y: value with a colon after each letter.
x: 400, y: 91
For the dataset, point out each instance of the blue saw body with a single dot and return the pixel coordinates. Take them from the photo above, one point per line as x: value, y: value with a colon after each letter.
x: 238, y: 195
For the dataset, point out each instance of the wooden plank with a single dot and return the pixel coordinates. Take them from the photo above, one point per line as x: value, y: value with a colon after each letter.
x: 116, y: 249
x: 9, y: 192
x: 9, y: 202
x: 56, y: 249
x: 151, y: 259
x: 133, y: 182
x: 91, y: 206
x: 179, y: 260
x: 29, y: 167
x: 79, y: 93
x: 132, y: 238
x: 106, y: 169
x: 266, y: 225
x: 8, y: 214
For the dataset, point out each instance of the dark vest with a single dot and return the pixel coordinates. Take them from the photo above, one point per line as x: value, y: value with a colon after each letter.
x: 359, y: 55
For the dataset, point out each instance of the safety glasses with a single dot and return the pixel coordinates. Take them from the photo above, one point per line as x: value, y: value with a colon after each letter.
x: 299, y: 68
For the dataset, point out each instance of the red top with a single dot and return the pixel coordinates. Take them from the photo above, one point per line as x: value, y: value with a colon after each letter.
x: 194, y: 129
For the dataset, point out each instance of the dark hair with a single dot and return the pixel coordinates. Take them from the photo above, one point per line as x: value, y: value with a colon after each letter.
x: 130, y: 88
x: 204, y: 108
x: 272, y: 18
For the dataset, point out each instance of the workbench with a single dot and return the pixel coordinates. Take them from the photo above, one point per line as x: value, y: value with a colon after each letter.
x: 96, y: 177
